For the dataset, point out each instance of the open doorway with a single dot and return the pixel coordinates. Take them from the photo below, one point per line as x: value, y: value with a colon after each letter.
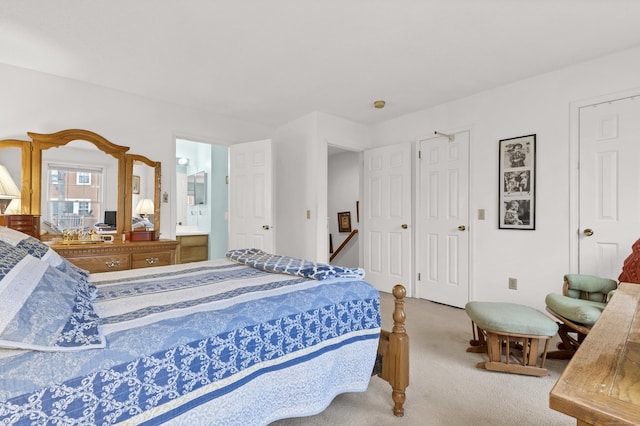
x: 202, y: 192
x: 343, y: 206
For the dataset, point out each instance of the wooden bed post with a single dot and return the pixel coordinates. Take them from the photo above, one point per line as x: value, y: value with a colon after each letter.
x: 394, y: 346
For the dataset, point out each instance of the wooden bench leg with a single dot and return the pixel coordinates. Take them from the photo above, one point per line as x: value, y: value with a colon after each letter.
x: 478, y: 344
x: 499, y: 350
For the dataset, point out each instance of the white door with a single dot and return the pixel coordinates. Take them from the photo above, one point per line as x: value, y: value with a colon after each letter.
x: 443, y: 225
x: 387, y: 216
x: 250, y: 196
x: 609, y: 179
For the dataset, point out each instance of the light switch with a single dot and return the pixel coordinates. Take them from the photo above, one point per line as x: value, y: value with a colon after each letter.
x: 480, y: 214
x: 308, y: 214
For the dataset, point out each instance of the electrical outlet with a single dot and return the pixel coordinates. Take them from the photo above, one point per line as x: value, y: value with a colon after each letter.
x: 513, y: 284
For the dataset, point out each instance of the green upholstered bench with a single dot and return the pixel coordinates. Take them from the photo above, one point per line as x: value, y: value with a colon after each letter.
x: 500, y: 327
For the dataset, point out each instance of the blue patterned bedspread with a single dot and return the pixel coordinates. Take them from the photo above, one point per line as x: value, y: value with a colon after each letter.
x: 202, y: 340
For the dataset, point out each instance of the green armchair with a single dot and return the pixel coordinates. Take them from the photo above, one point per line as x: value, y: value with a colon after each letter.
x: 583, y: 299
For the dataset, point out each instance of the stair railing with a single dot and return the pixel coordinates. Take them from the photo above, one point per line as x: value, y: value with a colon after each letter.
x: 343, y: 245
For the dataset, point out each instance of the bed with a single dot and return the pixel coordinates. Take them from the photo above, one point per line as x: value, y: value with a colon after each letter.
x: 249, y: 339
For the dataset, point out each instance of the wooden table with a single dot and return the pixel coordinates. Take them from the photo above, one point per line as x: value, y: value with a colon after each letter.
x: 601, y: 384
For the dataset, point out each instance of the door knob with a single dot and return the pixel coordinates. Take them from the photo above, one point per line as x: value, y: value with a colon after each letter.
x: 266, y: 227
x: 405, y: 226
x: 588, y: 232
x: 461, y: 228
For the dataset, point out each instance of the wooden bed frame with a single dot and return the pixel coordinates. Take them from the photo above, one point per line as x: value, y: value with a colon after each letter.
x: 392, y: 363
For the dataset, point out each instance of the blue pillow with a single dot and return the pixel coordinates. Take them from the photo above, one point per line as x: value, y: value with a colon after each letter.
x: 40, y: 250
x: 42, y: 307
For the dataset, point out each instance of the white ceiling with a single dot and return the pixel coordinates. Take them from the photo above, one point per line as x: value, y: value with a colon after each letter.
x: 273, y: 61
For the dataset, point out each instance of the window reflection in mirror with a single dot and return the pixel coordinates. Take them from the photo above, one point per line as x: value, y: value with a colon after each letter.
x: 79, y: 182
x: 74, y: 196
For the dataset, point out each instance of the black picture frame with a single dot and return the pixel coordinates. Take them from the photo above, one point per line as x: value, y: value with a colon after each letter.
x: 344, y: 221
x: 517, y: 183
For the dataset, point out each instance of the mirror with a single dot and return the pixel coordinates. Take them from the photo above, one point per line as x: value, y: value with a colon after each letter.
x: 84, y: 147
x: 197, y: 189
x: 73, y: 140
x: 143, y: 183
x: 15, y: 155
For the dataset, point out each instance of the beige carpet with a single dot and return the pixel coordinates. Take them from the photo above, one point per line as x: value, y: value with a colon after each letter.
x: 446, y: 388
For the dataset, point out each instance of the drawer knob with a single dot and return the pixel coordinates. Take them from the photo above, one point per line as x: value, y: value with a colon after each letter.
x: 112, y: 263
x: 152, y: 260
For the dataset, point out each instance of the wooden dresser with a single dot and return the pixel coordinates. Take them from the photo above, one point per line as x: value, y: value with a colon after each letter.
x: 27, y: 223
x: 117, y: 256
x: 192, y: 248
x: 601, y: 384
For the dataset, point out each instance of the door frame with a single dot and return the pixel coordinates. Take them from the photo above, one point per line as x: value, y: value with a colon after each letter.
x: 173, y: 181
x: 574, y: 172
x: 416, y: 207
x: 360, y: 152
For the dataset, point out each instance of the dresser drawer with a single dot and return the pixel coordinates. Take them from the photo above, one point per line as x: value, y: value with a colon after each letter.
x: 117, y: 256
x: 114, y: 262
x: 25, y: 223
x: 145, y: 260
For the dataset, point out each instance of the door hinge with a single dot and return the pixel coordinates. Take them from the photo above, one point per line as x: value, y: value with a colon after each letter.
x: 419, y: 154
x: 418, y: 276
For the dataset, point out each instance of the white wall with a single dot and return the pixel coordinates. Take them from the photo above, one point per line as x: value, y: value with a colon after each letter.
x: 42, y: 103
x: 295, y: 234
x: 540, y: 105
x: 219, y: 202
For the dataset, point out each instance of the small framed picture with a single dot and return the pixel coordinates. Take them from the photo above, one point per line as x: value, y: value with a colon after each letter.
x: 135, y: 184
x: 344, y: 222
x: 517, y: 178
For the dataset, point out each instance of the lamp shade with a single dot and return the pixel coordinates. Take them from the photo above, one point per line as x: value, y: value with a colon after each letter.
x: 145, y: 206
x: 8, y: 188
x: 14, y: 207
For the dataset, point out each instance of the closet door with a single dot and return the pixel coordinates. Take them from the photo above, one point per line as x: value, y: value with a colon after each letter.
x: 443, y: 220
x: 609, y: 178
x: 387, y: 217
x: 250, y: 196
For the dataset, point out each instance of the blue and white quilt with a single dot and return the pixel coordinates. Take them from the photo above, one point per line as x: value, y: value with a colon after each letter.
x: 212, y: 342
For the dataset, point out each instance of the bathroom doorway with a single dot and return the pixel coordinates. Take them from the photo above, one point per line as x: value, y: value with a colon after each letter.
x: 202, y: 192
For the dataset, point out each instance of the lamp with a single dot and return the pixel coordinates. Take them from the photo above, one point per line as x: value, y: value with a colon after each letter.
x: 14, y: 207
x: 145, y: 207
x: 8, y: 188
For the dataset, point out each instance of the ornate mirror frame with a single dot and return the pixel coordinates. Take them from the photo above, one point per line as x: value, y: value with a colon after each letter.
x: 31, y: 172
x: 55, y: 140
